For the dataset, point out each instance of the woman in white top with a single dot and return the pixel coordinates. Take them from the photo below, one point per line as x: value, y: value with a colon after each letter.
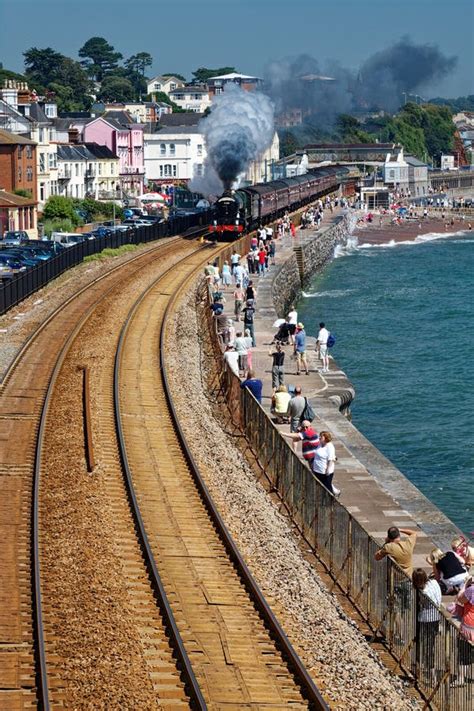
x: 292, y: 320
x: 428, y: 606
x: 324, y: 461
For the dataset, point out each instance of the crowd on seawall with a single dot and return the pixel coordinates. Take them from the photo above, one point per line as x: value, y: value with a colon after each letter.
x: 446, y: 576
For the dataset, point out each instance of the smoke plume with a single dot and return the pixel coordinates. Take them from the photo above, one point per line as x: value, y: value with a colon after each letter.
x: 322, y: 93
x: 238, y: 129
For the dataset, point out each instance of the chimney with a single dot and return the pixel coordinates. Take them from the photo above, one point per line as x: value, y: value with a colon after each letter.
x: 9, y: 93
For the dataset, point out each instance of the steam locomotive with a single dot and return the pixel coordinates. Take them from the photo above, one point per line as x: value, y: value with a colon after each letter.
x: 246, y: 208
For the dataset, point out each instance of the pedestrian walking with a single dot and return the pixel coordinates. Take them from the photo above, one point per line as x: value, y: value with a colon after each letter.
x: 241, y: 346
x: 300, y: 349
x: 322, y: 346
x: 278, y: 369
x: 249, y: 313
x: 239, y: 297
x: 226, y: 275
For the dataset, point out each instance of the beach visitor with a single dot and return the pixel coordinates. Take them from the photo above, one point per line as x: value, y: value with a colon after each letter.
x: 226, y: 275
x: 249, y: 344
x: 292, y: 319
x: 309, y: 439
x: 234, y: 261
x: 231, y: 360
x: 280, y: 401
x: 295, y: 409
x: 239, y: 273
x: 428, y: 617
x: 250, y: 292
x: 272, y: 251
x: 278, y: 370
x: 239, y: 297
x: 254, y: 385
x: 241, y: 348
x: 249, y: 313
x: 262, y: 255
x: 398, y: 549
x: 300, y: 349
x: 324, y: 461
x: 464, y: 551
x: 322, y: 346
x: 465, y: 599
x: 448, y: 570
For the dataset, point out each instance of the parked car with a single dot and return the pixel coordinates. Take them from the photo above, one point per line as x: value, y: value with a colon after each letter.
x: 68, y: 239
x: 28, y: 259
x: 43, y: 254
x: 136, y: 223
x: 15, y: 237
x: 7, y: 260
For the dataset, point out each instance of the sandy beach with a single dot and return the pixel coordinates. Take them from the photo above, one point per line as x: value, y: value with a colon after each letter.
x: 408, y: 230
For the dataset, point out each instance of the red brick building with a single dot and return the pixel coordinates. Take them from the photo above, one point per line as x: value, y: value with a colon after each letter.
x: 17, y: 172
x: 17, y: 163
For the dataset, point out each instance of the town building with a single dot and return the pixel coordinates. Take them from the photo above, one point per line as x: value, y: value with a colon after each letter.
x: 163, y: 84
x: 191, y: 98
x: 140, y: 111
x: 124, y: 137
x: 218, y: 84
x: 88, y: 170
x: 18, y: 213
x: 395, y: 171
x: 17, y: 163
x: 418, y: 183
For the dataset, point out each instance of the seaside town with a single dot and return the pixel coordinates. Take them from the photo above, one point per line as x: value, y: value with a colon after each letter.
x: 195, y: 513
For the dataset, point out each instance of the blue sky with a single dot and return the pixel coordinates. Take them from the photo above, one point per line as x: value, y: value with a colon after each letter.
x: 183, y: 35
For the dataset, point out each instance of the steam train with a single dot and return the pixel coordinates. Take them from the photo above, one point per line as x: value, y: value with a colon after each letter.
x: 243, y: 210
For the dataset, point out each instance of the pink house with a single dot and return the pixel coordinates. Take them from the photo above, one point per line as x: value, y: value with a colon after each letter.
x: 117, y: 131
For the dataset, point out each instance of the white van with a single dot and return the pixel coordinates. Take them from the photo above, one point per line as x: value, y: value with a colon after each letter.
x: 68, y: 239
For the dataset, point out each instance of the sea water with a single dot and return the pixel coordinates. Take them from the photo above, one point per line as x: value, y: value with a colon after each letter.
x: 403, y: 318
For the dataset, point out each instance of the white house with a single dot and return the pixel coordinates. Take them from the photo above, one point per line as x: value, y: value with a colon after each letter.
x: 173, y: 153
x: 395, y: 171
x: 164, y: 84
x: 417, y: 176
x: 191, y: 98
x: 88, y: 170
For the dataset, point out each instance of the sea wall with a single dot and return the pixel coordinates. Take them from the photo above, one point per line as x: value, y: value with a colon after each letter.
x: 307, y: 259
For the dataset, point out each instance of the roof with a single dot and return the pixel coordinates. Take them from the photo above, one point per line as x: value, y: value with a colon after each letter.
x: 190, y: 118
x: 165, y: 79
x: 11, y: 200
x: 172, y: 130
x: 13, y: 139
x: 234, y: 75
x: 122, y: 117
x: 415, y: 162
x: 74, y: 152
x: 99, y: 151
x: 37, y: 114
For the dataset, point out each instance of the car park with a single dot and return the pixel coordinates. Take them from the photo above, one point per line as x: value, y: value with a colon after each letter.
x: 15, y: 237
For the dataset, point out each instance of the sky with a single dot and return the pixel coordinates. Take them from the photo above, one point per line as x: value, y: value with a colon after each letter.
x: 182, y: 35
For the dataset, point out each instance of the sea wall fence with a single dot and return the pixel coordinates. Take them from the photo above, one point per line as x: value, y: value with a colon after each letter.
x: 26, y: 283
x: 422, y: 639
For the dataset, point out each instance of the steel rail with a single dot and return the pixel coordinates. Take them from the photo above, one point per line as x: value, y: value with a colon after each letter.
x: 190, y: 680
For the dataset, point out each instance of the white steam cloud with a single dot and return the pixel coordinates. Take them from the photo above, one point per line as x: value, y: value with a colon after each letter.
x: 238, y: 129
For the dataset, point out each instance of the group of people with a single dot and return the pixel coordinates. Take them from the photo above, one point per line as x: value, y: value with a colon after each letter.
x: 292, y: 332
x: 452, y: 574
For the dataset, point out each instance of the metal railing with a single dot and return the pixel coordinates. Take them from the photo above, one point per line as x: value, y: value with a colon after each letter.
x: 423, y: 640
x: 25, y: 283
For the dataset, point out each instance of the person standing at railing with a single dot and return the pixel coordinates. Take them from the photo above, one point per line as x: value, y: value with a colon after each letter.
x: 398, y: 549
x: 465, y: 599
x: 324, y: 462
x: 428, y: 618
x: 253, y: 384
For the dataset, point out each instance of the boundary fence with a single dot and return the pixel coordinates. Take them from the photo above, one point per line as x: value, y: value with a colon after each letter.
x: 421, y: 637
x: 26, y: 283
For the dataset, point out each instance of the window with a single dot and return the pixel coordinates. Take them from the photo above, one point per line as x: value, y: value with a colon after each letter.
x: 161, y: 171
x: 112, y: 169
x: 51, y: 134
x: 29, y: 151
x: 391, y: 174
x: 163, y: 149
x: 199, y: 149
x: 42, y: 163
x: 29, y: 174
x: 172, y: 86
x: 42, y: 192
x: 169, y: 171
x: 157, y: 85
x: 100, y: 168
x: 20, y: 174
x: 41, y: 135
x: 20, y: 151
x: 199, y: 169
x: 51, y: 160
x: 218, y: 90
x: 172, y: 149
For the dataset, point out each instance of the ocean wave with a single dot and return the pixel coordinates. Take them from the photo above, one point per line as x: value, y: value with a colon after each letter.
x: 419, y: 239
x: 329, y: 294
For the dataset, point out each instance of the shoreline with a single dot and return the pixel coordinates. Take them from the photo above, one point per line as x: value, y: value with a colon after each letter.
x: 407, y: 231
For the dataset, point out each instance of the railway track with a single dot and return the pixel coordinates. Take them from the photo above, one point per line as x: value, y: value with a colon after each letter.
x: 240, y: 655
x: 23, y: 391
x: 200, y: 635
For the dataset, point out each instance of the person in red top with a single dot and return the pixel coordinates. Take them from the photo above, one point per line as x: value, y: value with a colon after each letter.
x: 262, y: 256
x: 309, y: 439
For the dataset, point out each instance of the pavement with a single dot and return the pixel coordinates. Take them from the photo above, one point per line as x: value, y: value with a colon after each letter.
x: 373, y: 490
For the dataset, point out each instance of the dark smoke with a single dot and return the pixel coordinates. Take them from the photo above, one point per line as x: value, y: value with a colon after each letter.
x: 380, y: 83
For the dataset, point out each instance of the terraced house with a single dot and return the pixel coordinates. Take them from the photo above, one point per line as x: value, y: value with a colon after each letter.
x: 17, y: 173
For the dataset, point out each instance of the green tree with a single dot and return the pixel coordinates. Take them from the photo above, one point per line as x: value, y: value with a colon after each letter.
x: 350, y: 130
x: 59, y: 207
x: 203, y: 74
x: 99, y: 57
x: 42, y: 65
x: 115, y: 88
x: 137, y: 63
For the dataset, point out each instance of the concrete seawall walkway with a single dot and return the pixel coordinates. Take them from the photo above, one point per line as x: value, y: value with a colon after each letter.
x: 373, y: 490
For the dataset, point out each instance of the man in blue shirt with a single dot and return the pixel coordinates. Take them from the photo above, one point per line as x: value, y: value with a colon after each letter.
x: 254, y: 385
x: 300, y: 349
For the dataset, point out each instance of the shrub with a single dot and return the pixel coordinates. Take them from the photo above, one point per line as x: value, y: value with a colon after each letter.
x: 63, y: 225
x: 59, y: 207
